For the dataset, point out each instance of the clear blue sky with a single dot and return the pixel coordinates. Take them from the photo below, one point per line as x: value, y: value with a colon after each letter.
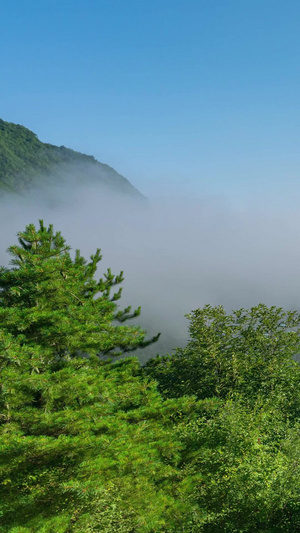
x: 195, y: 95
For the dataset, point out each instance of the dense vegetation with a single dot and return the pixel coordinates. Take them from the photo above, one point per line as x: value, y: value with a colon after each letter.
x: 26, y: 161
x: 205, y: 440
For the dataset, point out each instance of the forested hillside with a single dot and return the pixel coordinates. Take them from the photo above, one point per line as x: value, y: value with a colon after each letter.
x: 26, y: 161
x: 206, y: 440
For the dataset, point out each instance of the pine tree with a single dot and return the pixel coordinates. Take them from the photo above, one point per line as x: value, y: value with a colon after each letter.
x: 85, y: 444
x: 53, y: 301
x: 89, y: 446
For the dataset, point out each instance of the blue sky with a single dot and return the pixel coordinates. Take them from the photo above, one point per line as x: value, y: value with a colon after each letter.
x: 194, y: 97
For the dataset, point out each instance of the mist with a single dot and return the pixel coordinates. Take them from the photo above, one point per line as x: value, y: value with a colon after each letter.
x: 177, y: 253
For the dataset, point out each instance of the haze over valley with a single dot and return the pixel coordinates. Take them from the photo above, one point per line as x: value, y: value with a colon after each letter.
x: 177, y: 253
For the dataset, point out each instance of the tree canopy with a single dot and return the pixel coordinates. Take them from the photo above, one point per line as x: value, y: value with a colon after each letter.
x: 248, y: 353
x: 201, y: 441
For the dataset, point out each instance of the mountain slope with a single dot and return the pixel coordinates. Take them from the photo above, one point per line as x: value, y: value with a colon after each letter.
x: 25, y: 161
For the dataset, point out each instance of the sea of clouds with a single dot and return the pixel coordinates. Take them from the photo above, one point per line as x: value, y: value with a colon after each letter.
x: 177, y: 253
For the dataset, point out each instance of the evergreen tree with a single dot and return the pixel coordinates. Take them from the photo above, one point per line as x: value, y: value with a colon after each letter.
x: 89, y: 446
x: 53, y: 301
x: 85, y: 444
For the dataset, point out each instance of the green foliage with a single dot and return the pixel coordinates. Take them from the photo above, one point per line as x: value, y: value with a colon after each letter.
x: 248, y: 353
x: 88, y: 444
x: 241, y: 458
x: 85, y: 443
x: 26, y: 161
x: 241, y: 468
x: 23, y: 158
x: 52, y: 301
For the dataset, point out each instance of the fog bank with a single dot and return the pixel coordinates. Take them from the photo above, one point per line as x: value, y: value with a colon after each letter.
x: 177, y: 254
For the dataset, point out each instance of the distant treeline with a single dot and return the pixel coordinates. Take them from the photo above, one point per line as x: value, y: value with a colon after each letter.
x: 25, y: 162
